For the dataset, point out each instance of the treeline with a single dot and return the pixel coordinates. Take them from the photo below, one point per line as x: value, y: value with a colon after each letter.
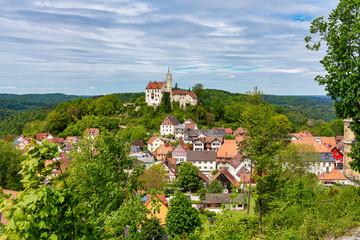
x: 216, y: 109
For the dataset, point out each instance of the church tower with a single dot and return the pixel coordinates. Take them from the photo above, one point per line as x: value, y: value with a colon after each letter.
x: 168, y: 87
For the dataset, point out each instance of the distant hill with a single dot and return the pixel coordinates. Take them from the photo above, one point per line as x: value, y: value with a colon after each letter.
x: 30, y: 101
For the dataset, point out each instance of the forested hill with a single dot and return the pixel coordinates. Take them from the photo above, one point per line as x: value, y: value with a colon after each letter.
x: 16, y: 111
x: 28, y: 101
x: 315, y: 107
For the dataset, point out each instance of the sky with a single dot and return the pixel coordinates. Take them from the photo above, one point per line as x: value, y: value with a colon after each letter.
x: 92, y: 47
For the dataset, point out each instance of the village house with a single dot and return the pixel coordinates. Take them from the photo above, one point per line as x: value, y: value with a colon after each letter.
x: 226, y: 179
x: 154, y: 143
x: 145, y: 158
x: 41, y: 136
x: 71, y: 139
x: 216, y: 200
x: 191, y: 134
x: 204, y: 160
x: 240, y: 132
x: 227, y: 151
x: 179, y: 152
x: 92, y: 132
x: 59, y: 165
x: 238, y: 166
x: 155, y: 90
x: 333, y: 177
x: 207, y: 143
x: 168, y: 125
x: 21, y: 142
x: 171, y: 168
x: 163, y: 151
x: 180, y: 129
x: 158, y: 207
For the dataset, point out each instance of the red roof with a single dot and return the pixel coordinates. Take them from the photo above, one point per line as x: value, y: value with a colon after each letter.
x: 228, y: 175
x: 155, y: 85
x: 41, y: 136
x: 228, y: 131
x: 184, y: 92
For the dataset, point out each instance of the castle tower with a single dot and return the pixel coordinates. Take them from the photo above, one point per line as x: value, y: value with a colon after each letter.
x: 168, y: 87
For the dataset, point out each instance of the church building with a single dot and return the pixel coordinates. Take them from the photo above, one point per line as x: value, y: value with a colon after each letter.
x: 155, y: 90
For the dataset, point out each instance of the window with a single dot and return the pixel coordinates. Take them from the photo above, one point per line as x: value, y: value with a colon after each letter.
x: 211, y: 167
x: 205, y: 167
x: 199, y: 162
x: 211, y: 162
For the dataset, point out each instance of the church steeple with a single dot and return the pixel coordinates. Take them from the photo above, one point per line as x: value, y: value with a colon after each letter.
x: 168, y: 87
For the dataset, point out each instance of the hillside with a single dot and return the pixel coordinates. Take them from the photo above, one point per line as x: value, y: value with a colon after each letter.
x: 30, y: 101
x: 220, y: 108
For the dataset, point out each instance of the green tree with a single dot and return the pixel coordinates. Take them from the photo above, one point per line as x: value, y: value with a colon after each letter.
x: 188, y: 177
x: 151, y: 229
x: 10, y: 166
x: 218, y: 109
x: 154, y: 177
x: 165, y: 105
x: 215, y: 187
x: 341, y: 33
x: 198, y: 89
x: 265, y: 138
x: 182, y: 219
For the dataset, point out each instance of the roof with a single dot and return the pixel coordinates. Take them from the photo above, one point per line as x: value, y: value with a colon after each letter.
x: 227, y: 150
x: 320, y: 144
x: 240, y: 131
x: 155, y: 85
x: 184, y: 92
x: 41, y: 136
x: 223, y: 198
x: 203, y: 177
x: 237, y: 160
x: 71, y: 139
x: 244, y: 175
x: 138, y: 143
x: 201, y: 156
x: 135, y: 149
x: 164, y: 149
x: 147, y: 199
x: 92, y: 131
x: 170, y: 120
x: 209, y: 139
x: 152, y: 139
x: 228, y: 175
x: 183, y: 145
x: 332, y: 175
x: 56, y: 140
x: 301, y: 134
x: 228, y: 131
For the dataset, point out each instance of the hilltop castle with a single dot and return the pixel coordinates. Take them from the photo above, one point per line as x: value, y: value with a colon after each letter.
x: 155, y: 90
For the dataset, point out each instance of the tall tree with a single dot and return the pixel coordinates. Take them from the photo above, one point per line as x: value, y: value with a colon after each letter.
x: 341, y: 33
x: 165, y: 105
x: 181, y: 219
x: 265, y: 138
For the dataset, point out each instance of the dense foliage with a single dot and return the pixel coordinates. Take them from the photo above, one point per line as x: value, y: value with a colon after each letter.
x: 10, y: 165
x: 341, y: 32
x: 188, y: 177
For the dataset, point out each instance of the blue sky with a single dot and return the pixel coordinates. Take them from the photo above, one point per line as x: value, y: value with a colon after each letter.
x: 101, y: 47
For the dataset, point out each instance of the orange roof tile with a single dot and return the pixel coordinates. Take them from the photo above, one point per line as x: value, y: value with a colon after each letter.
x: 332, y: 175
x: 155, y: 85
x: 41, y: 136
x: 164, y: 149
x: 325, y: 145
x: 227, y: 150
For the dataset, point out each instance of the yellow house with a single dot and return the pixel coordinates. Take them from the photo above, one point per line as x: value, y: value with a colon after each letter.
x: 158, y: 206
